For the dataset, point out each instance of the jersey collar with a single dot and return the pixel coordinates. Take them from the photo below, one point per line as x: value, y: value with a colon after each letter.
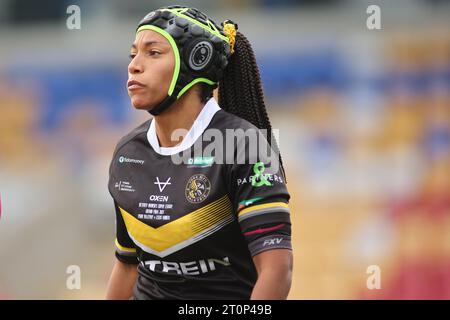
x: 199, y: 126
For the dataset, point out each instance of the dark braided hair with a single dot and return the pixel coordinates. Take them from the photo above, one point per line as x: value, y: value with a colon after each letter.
x: 241, y: 92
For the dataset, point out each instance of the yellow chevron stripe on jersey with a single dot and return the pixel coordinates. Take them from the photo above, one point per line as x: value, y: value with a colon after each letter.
x: 181, y: 232
x: 262, y: 208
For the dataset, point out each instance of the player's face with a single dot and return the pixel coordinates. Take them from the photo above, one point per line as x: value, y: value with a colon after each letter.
x: 150, y: 70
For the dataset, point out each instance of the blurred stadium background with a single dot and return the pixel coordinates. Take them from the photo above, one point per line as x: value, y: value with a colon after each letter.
x: 364, y: 119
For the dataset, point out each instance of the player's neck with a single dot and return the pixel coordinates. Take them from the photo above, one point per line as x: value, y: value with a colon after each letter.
x: 181, y: 115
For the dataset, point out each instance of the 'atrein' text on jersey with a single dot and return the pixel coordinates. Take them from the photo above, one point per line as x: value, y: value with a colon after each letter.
x: 193, y: 227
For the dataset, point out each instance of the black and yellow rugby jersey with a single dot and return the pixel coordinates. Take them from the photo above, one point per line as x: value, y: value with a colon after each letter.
x: 193, y: 227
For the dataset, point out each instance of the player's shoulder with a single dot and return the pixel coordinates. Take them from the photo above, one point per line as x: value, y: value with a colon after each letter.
x: 226, y: 120
x: 137, y: 133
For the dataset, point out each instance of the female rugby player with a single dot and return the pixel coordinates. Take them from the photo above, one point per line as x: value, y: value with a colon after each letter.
x: 202, y: 227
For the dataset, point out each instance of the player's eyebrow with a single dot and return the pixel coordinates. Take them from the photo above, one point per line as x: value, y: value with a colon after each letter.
x: 147, y: 43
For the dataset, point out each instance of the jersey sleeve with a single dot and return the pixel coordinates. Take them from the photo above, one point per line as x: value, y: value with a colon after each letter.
x: 260, y: 197
x: 125, y: 248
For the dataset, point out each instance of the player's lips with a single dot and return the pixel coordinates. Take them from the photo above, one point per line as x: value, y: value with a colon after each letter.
x: 135, y: 85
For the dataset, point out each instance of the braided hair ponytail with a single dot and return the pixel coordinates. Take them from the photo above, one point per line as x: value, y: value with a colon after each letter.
x: 241, y: 92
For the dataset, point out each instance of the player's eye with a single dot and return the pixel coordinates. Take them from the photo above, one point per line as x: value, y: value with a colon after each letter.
x: 154, y: 53
x: 132, y: 55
